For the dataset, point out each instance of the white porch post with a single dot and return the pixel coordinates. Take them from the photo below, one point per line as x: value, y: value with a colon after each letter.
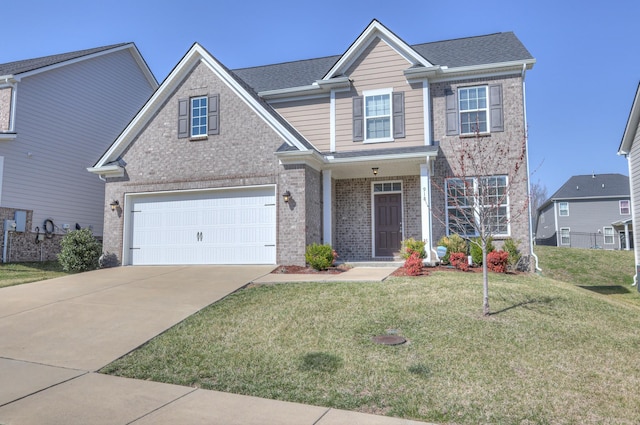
x: 425, y: 209
x: 626, y: 237
x: 327, y: 235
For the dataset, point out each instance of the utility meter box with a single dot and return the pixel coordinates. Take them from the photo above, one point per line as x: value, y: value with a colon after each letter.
x: 9, y: 225
x: 20, y: 217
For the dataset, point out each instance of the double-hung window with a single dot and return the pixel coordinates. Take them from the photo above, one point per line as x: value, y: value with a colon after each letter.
x: 565, y: 236
x: 563, y: 209
x: 377, y: 115
x: 473, y: 202
x: 625, y: 207
x: 199, y: 117
x: 608, y: 236
x: 473, y: 107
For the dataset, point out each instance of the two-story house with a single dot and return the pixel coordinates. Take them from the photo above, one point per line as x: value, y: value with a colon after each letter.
x: 252, y: 165
x: 588, y: 211
x: 57, y: 114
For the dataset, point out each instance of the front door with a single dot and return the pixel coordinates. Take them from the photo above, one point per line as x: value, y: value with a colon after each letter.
x: 388, y: 224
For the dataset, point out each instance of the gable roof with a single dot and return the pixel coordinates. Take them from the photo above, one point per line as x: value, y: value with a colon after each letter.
x: 108, y: 163
x: 592, y: 186
x: 631, y: 128
x: 498, y: 48
x: 27, y: 67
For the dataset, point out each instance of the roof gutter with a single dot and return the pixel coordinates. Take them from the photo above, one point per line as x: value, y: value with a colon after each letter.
x: 111, y: 170
x: 8, y: 79
x: 318, y: 87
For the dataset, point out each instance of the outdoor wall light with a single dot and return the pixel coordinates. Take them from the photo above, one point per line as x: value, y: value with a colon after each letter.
x: 375, y: 171
x: 286, y: 196
x: 114, y: 204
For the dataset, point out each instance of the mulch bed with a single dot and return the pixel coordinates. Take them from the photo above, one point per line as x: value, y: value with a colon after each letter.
x: 310, y: 270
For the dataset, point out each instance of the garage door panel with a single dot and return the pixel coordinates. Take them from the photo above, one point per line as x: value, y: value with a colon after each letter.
x: 222, y: 227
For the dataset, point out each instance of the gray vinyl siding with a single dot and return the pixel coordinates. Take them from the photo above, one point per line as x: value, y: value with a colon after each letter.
x: 65, y: 120
x: 546, y: 224
x: 634, y: 179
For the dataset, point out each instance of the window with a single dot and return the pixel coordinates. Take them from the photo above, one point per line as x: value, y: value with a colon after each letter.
x: 198, y: 116
x: 563, y: 209
x: 378, y: 116
x: 625, y: 207
x: 473, y: 201
x: 565, y: 236
x: 608, y: 236
x: 387, y: 187
x: 473, y: 110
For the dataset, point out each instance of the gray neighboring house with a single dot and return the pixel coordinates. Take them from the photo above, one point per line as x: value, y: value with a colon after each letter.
x: 252, y: 165
x: 57, y: 114
x: 588, y: 211
x: 630, y: 148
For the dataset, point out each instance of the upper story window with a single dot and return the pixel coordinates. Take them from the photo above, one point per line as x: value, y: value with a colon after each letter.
x: 473, y: 110
x: 378, y: 116
x: 198, y: 116
x: 625, y: 207
x: 563, y: 209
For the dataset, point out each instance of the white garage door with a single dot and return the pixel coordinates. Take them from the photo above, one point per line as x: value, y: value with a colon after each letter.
x: 222, y: 227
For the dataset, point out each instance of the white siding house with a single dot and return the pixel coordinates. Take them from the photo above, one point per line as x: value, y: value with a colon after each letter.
x: 58, y: 114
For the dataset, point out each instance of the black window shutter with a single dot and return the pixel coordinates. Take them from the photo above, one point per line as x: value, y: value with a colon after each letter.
x: 398, y: 114
x: 358, y: 119
x: 452, y: 112
x: 214, y: 115
x: 183, y: 118
x: 495, y: 107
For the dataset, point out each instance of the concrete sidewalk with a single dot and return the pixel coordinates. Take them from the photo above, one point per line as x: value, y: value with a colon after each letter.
x: 55, y: 334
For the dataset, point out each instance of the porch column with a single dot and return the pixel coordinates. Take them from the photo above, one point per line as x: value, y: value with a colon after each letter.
x: 425, y: 208
x: 327, y: 195
x: 627, y: 242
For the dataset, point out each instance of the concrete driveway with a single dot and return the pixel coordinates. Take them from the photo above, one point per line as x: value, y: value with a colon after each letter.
x: 87, y: 320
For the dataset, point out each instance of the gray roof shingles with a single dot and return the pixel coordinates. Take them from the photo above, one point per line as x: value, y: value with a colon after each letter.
x: 593, y: 186
x: 27, y: 65
x: 486, y: 49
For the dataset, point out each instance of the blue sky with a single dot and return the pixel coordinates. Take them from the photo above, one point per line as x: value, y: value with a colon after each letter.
x: 579, y: 93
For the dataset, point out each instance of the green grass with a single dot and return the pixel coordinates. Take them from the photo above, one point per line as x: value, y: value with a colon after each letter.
x: 18, y: 273
x: 551, y: 352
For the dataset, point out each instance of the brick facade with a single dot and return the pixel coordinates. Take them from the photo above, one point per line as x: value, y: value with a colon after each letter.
x: 5, y: 108
x: 22, y: 246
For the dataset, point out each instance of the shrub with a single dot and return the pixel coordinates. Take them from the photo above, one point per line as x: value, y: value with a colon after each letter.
x: 511, y: 247
x: 454, y: 243
x: 80, y: 251
x: 413, y: 264
x: 459, y: 260
x: 320, y: 257
x: 475, y: 249
x: 409, y: 246
x: 497, y: 261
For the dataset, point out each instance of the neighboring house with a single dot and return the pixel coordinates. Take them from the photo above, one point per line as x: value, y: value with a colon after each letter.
x: 590, y: 211
x: 57, y: 114
x: 252, y: 165
x: 630, y: 148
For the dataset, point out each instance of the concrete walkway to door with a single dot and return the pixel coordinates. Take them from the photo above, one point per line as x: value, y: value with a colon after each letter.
x: 55, y: 335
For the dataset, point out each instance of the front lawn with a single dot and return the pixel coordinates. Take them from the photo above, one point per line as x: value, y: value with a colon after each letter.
x: 550, y: 353
x: 18, y: 273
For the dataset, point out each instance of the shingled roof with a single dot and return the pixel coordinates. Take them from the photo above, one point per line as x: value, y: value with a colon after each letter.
x: 593, y: 186
x: 486, y: 49
x: 27, y: 65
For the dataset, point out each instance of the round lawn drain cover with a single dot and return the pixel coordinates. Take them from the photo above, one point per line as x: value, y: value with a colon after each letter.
x: 389, y: 339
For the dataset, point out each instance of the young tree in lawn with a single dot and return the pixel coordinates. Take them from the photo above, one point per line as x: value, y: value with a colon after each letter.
x: 484, y: 178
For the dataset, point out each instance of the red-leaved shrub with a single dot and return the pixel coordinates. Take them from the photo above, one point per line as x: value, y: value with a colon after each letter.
x: 459, y: 260
x: 413, y: 264
x: 497, y: 261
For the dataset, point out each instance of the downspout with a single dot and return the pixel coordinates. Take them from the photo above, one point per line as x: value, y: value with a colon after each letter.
x: 526, y: 141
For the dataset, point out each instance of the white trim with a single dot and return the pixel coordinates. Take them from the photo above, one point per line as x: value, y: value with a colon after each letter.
x: 327, y: 206
x: 373, y: 211
x: 560, y: 209
x: 332, y: 121
x: 486, y: 109
x: 612, y: 235
x: 127, y: 227
x: 425, y: 210
x: 426, y: 112
x: 628, y: 206
x: 568, y: 229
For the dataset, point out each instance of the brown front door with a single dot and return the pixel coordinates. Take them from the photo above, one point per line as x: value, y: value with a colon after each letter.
x: 388, y: 224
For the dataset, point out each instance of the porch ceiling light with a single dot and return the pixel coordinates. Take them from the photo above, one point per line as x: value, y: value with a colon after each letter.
x: 375, y: 171
x: 114, y: 204
x: 286, y: 196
